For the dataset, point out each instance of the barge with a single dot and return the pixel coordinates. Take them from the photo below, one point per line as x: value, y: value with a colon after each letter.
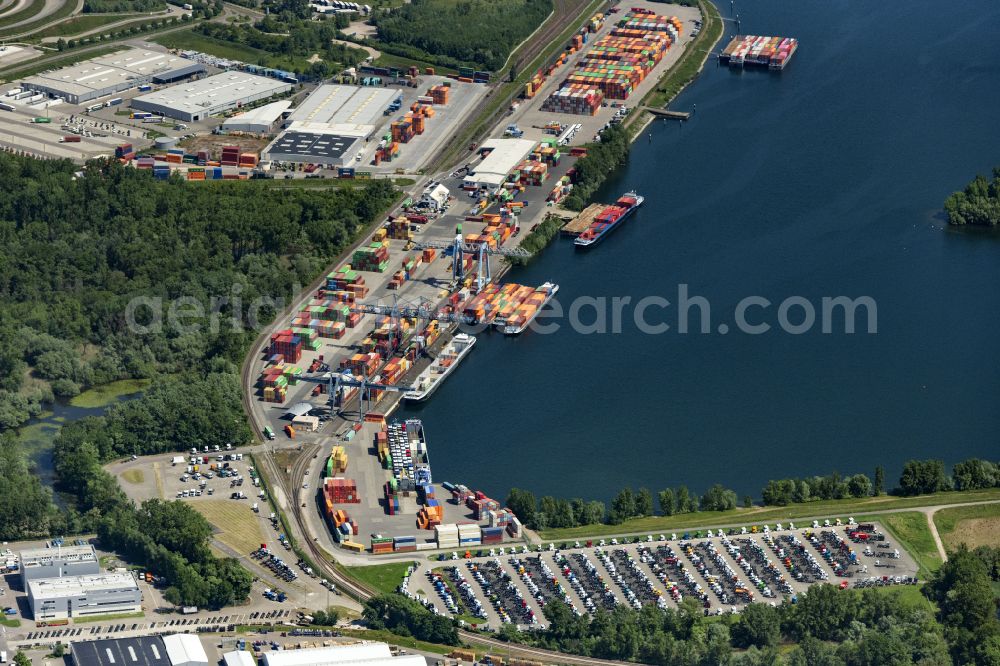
x: 609, y: 219
x: 449, y: 358
x: 772, y: 52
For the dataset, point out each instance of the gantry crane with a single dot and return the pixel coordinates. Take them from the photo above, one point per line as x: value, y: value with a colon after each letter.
x: 458, y: 248
x: 336, y: 382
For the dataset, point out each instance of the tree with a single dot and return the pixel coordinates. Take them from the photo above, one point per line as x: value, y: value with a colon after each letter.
x: 978, y: 204
x: 667, y: 507
x: 966, y: 607
x: 523, y: 504
x: 859, y: 485
x: 975, y: 474
x: 58, y: 650
x: 922, y: 476
x: 644, y: 502
x: 683, y: 499
x: 718, y: 498
x: 778, y: 493
x: 758, y: 624
x: 622, y: 507
x: 408, y: 618
x: 879, y: 481
x: 747, y: 502
x: 21, y: 659
x: 595, y: 513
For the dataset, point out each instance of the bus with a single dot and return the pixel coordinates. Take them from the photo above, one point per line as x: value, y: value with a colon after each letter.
x: 41, y: 120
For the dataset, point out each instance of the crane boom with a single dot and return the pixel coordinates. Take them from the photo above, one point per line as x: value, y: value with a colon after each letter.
x: 459, y: 248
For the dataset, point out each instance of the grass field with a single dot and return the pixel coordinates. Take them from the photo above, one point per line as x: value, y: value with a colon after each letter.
x: 102, y: 396
x: 971, y: 525
x: 66, y: 10
x: 34, y: 8
x: 737, y: 517
x: 400, y: 62
x: 911, y: 530
x: 383, y: 577
x: 134, y: 476
x: 237, y: 526
x: 6, y: 622
x: 190, y: 39
x: 20, y: 72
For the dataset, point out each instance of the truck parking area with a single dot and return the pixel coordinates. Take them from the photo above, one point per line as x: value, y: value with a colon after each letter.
x: 722, y: 572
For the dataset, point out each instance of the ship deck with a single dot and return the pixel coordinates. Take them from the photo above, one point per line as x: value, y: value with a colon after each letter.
x: 579, y: 224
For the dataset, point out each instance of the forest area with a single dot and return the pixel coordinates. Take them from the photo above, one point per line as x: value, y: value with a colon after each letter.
x: 474, y: 33
x: 976, y: 205
x: 107, y: 274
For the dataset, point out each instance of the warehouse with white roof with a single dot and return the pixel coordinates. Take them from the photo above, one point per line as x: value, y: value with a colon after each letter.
x: 261, y: 120
x: 505, y: 154
x: 185, y: 650
x: 359, y: 654
x: 210, y: 96
x: 110, y: 74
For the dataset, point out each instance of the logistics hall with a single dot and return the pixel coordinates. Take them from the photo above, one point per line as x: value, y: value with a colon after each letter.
x: 331, y: 126
x: 111, y: 74
x: 210, y: 96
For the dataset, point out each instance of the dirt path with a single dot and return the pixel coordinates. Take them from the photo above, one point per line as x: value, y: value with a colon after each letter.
x: 374, y: 53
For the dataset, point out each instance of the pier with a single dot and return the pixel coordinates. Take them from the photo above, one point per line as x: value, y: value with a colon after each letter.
x: 667, y: 113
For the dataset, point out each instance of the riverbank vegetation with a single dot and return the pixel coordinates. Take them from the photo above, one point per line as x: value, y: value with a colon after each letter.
x: 540, y: 237
x: 978, y: 204
x: 473, y: 33
x: 784, y: 499
x: 591, y: 170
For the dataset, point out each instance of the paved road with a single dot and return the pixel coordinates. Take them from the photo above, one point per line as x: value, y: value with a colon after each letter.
x: 931, y: 510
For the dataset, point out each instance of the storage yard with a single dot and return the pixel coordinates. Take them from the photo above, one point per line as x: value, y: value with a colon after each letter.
x: 723, y: 572
x: 613, y: 63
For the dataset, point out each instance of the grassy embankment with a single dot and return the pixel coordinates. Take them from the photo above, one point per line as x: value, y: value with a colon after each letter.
x: 105, y: 618
x: 12, y: 623
x: 759, y: 515
x: 84, y: 23
x: 387, y: 636
x: 536, y: 241
x: 64, y: 11
x: 34, y: 8
x: 382, y: 577
x: 402, y: 63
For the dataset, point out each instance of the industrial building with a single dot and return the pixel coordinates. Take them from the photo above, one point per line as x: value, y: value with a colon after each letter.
x: 185, y: 650
x: 111, y: 74
x: 358, y: 654
x: 331, y: 125
x: 79, y: 596
x: 140, y: 651
x: 315, y: 146
x: 40, y: 563
x: 210, y: 96
x: 238, y: 658
x: 334, y: 104
x: 262, y: 120
x: 492, y: 172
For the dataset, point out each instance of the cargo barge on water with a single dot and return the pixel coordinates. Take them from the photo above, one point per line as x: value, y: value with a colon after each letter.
x: 521, y: 318
x: 608, y: 220
x: 771, y: 52
x: 449, y: 358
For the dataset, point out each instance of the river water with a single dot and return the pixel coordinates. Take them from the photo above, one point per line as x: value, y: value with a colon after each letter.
x: 824, y: 180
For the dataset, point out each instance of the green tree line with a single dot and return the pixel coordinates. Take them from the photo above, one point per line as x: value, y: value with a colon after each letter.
x: 918, y: 477
x: 824, y: 625
x: 450, y: 33
x: 978, y: 204
x: 591, y: 170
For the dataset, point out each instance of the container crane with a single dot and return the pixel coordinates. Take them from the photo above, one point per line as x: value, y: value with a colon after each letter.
x: 336, y: 382
x: 459, y: 248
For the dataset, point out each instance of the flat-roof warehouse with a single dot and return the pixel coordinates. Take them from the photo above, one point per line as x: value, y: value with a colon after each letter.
x: 333, y: 104
x: 504, y: 156
x: 109, y: 74
x: 315, y: 146
x: 206, y: 97
x: 77, y: 596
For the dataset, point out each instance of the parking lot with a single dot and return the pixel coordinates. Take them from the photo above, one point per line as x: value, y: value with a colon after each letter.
x: 722, y: 572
